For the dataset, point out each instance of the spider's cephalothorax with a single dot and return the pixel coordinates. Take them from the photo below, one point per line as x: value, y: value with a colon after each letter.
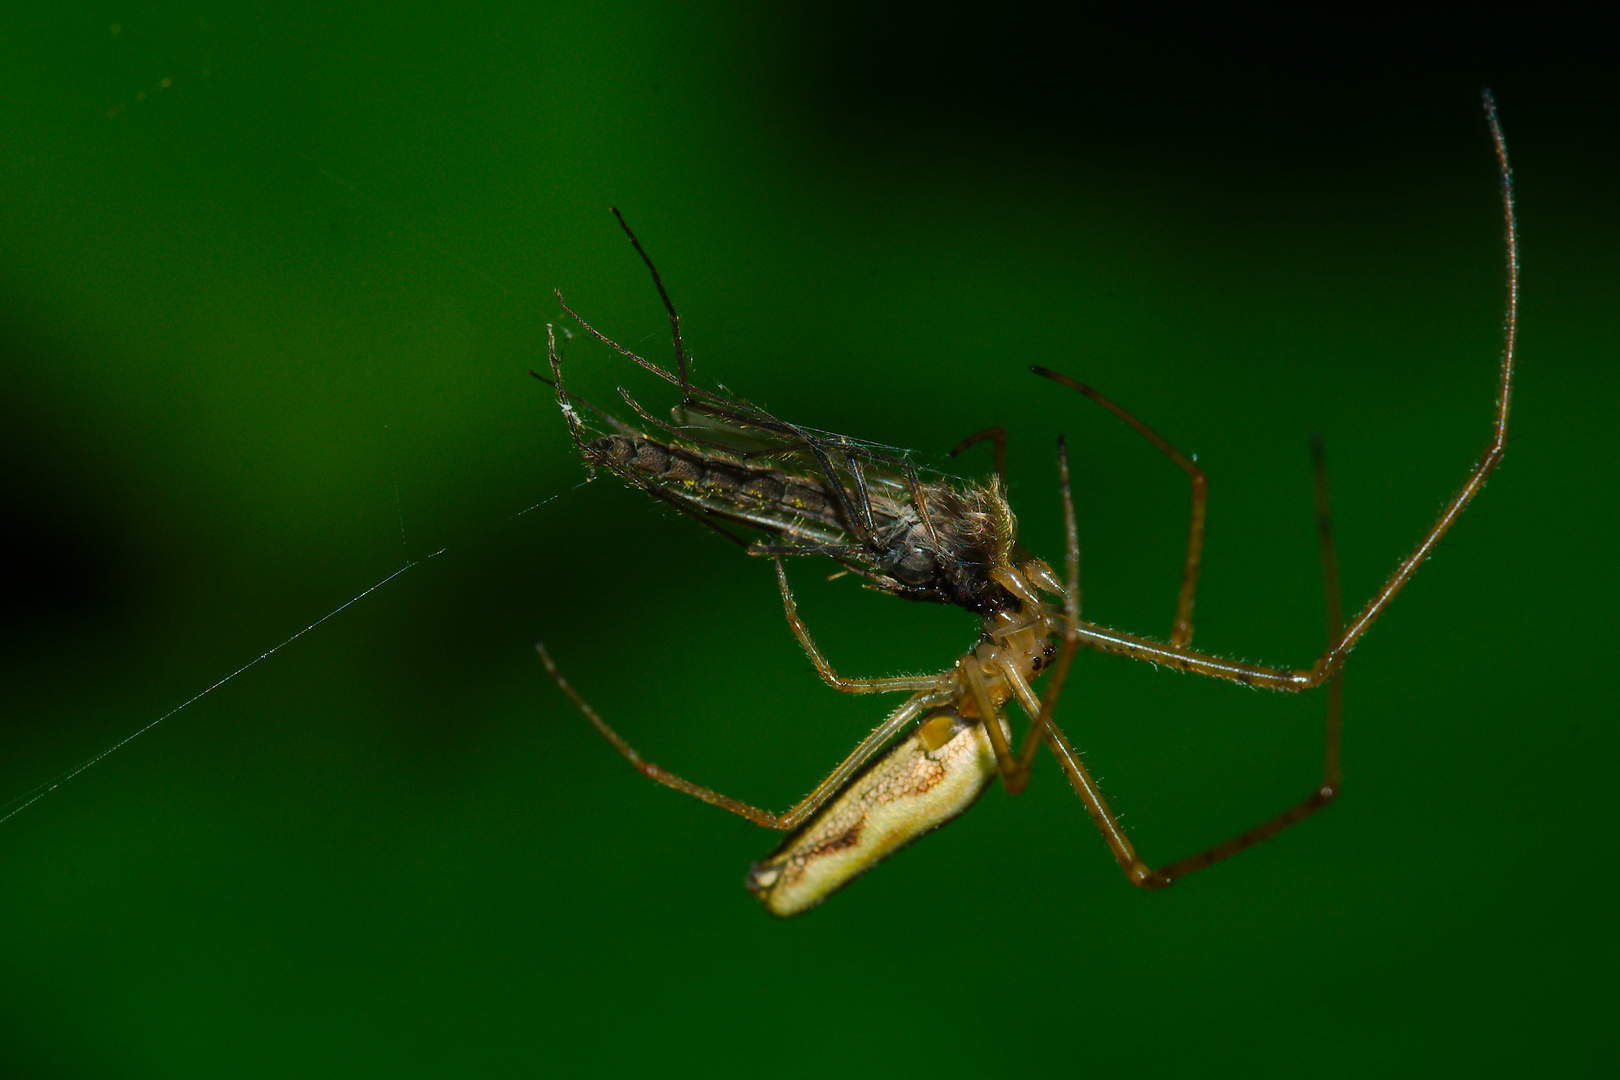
x: 957, y: 745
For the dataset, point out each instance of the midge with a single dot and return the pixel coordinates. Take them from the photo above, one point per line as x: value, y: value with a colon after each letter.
x: 728, y: 463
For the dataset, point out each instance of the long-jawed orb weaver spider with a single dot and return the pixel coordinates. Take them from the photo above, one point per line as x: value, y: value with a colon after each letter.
x: 726, y: 462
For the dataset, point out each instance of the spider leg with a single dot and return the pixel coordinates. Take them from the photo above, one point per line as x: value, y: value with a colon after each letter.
x: 998, y: 437
x: 1181, y: 630
x: 1332, y: 777
x: 1332, y: 774
x: 902, y: 683
x: 1045, y: 727
x: 1014, y: 768
x: 1332, y: 659
x: 893, y: 724
x: 1137, y: 871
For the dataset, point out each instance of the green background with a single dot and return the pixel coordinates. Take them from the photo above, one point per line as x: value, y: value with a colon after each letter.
x: 273, y: 278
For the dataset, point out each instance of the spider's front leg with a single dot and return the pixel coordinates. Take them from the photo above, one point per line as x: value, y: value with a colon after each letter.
x: 843, y: 684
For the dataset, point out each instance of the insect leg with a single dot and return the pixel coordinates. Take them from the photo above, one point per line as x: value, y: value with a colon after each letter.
x: 606, y: 417
x: 658, y: 282
x: 860, y: 524
x: 914, y: 486
x: 856, y: 514
x: 575, y: 428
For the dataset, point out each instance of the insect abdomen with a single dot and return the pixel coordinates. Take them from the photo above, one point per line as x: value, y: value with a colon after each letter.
x: 714, y: 477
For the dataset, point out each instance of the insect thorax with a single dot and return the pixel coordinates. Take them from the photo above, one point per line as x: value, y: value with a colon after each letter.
x: 949, y: 555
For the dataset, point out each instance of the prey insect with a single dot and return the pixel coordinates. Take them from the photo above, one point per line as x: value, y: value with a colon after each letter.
x: 736, y: 468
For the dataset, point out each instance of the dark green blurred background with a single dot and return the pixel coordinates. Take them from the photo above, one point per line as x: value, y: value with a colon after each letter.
x: 272, y: 282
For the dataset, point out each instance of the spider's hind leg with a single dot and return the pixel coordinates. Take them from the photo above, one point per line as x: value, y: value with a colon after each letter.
x: 1136, y: 870
x: 1332, y: 776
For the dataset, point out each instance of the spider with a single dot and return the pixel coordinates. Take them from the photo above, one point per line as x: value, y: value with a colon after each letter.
x: 727, y: 462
